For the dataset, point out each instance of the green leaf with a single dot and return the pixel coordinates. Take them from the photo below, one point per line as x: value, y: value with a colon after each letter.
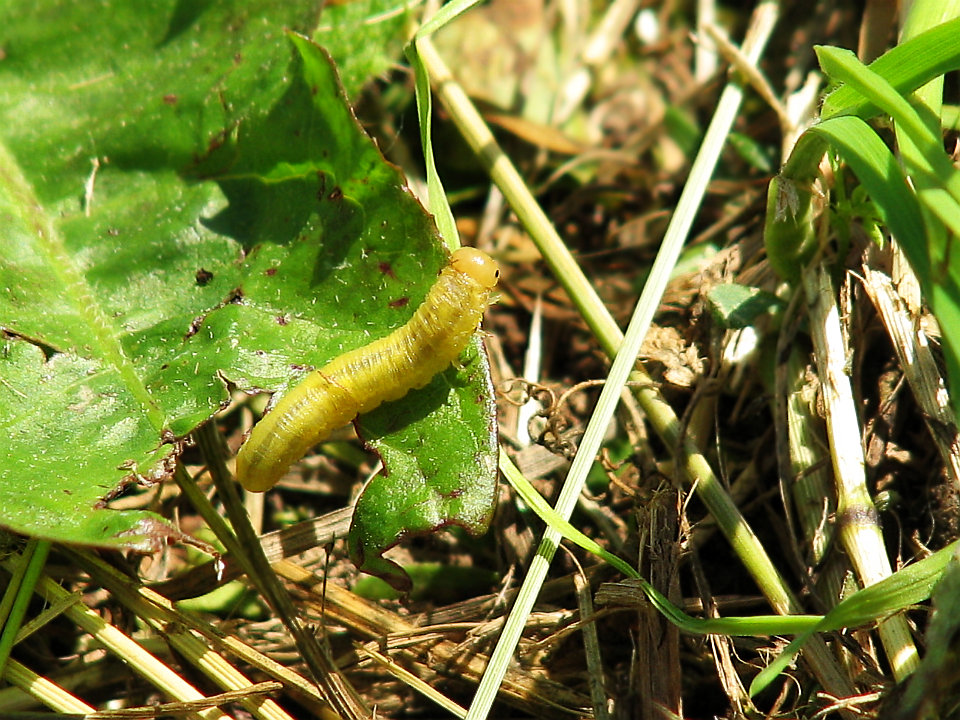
x: 925, y: 222
x: 928, y: 245
x: 754, y: 153
x: 877, y: 170
x: 364, y: 38
x: 909, y: 586
x: 928, y: 160
x: 737, y: 306
x: 906, y: 67
x: 66, y: 419
x: 240, y: 227
x: 789, y: 233
x: 933, y: 689
x: 104, y: 270
x: 442, y: 466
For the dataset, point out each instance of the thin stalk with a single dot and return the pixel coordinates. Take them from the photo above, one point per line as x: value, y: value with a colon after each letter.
x: 45, y: 691
x: 20, y: 590
x: 805, y: 473
x: 859, y: 528
x: 131, y: 652
x: 511, y: 184
x: 338, y: 692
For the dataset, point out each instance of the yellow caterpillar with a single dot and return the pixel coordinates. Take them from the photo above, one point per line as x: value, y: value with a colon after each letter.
x: 386, y: 369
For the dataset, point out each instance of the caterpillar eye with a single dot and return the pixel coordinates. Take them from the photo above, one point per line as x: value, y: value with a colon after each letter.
x: 477, y: 265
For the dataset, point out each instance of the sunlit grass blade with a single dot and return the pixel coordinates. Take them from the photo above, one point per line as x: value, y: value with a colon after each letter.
x: 906, y: 67
x: 438, y: 203
x: 926, y: 235
x: 909, y: 586
x: 843, y: 65
x: 756, y: 625
x: 13, y: 607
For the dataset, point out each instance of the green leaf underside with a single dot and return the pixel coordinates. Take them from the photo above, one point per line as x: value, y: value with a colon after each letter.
x: 241, y: 228
x: 420, y: 493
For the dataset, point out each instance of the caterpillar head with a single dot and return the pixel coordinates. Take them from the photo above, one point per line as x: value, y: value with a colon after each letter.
x: 477, y: 265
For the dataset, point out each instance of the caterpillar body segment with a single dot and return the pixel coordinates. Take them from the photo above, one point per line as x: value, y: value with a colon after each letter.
x: 385, y: 369
x: 302, y: 418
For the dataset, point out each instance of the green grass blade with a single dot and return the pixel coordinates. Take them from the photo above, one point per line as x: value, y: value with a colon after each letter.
x: 906, y: 67
x: 930, y: 159
x: 926, y: 228
x: 879, y: 173
x: 445, y: 15
x: 438, y: 205
x: 20, y: 591
x: 909, y: 586
x: 758, y: 625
